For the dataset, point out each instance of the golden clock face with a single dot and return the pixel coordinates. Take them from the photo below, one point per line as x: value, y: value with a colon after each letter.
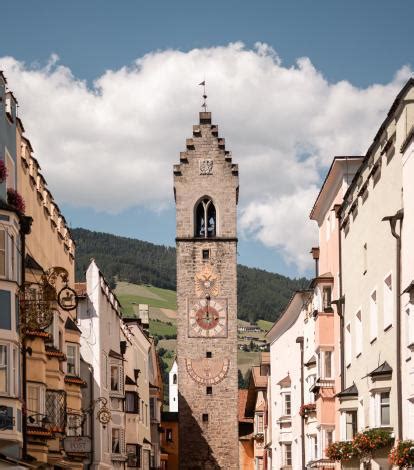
x: 206, y: 282
x: 208, y: 318
x: 207, y: 371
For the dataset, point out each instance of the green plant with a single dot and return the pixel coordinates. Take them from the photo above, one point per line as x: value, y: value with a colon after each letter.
x: 341, y: 450
x: 402, y: 454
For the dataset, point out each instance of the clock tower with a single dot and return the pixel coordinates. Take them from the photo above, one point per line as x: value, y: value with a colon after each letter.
x: 206, y: 186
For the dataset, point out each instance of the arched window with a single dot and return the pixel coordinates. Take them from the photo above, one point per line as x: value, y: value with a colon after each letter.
x: 205, y: 219
x: 174, y: 379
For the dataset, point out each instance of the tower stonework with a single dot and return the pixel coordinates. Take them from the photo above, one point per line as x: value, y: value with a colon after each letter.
x: 206, y: 187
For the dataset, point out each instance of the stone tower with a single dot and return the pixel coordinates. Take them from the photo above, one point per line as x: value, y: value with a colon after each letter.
x: 206, y: 186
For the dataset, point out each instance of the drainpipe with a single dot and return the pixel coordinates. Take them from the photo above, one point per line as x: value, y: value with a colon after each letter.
x: 340, y: 303
x: 25, y: 228
x: 92, y: 415
x: 393, y: 219
x: 299, y: 340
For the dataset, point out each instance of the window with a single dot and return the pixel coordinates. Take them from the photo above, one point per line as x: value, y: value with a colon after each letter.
x: 134, y: 455
x: 205, y: 219
x: 259, y: 463
x: 153, y: 408
x: 168, y: 435
x: 384, y: 403
x: 5, y: 309
x: 373, y: 315
x: 327, y: 298
x: 55, y: 409
x: 116, y: 441
x: 351, y: 424
x: 115, y: 378
x: 358, y: 333
x: 325, y: 367
x: 205, y: 418
x: 11, y: 177
x: 388, y: 302
x: 35, y: 402
x: 2, y: 253
x: 131, y: 402
x: 328, y: 438
x: 365, y: 258
x: 287, y: 408
x: 175, y: 379
x: 209, y: 390
x: 259, y: 423
x: 72, y: 354
x: 53, y: 330
x: 4, y: 370
x: 313, y: 447
x: 209, y: 355
x: 287, y: 455
x: 348, y: 344
x: 409, y: 329
x: 206, y: 254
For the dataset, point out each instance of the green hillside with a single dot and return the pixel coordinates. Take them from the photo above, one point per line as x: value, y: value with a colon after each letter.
x: 261, y: 295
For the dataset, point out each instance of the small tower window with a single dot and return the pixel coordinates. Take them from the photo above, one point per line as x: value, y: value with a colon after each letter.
x: 174, y: 379
x: 205, y: 219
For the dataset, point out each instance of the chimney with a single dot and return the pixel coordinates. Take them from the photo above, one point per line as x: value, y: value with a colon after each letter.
x: 315, y: 256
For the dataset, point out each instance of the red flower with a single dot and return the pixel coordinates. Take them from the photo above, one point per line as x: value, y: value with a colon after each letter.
x: 3, y: 171
x: 16, y: 200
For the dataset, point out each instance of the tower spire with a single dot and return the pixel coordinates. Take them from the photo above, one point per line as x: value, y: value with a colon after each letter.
x: 204, y: 105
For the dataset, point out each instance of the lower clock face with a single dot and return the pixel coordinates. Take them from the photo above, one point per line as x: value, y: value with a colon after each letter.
x: 208, y: 318
x: 207, y: 371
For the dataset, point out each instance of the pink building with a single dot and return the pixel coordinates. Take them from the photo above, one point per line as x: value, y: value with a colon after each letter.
x: 326, y: 310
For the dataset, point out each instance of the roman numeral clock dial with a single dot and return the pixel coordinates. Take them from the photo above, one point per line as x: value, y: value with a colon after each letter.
x: 207, y: 318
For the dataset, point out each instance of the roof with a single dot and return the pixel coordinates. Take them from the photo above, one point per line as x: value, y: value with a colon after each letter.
x: 327, y: 277
x: 285, y: 382
x: 115, y: 354
x: 383, y: 369
x: 289, y: 316
x: 387, y: 120
x: 328, y: 176
x: 242, y: 407
x: 71, y: 325
x: 129, y: 381
x: 260, y: 381
x: 311, y: 362
x: 409, y: 288
x: 265, y: 358
x: 349, y: 392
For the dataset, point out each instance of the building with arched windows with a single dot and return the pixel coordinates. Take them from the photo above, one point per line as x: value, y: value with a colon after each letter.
x: 206, y: 193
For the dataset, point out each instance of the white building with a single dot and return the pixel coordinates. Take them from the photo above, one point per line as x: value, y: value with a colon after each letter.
x: 407, y: 276
x: 286, y: 343
x: 173, y: 387
x: 100, y: 323
x: 375, y: 357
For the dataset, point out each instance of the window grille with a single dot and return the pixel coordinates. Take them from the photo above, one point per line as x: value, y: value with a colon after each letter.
x: 56, y: 410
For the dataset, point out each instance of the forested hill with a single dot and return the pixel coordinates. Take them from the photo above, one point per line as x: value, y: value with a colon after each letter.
x: 261, y: 295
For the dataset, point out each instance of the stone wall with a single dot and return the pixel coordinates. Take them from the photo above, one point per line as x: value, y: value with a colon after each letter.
x: 206, y: 170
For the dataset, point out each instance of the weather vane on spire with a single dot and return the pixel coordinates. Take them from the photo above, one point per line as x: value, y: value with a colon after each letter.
x: 204, y: 105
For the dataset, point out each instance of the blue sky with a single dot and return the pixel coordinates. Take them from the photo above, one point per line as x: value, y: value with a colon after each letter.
x: 360, y: 42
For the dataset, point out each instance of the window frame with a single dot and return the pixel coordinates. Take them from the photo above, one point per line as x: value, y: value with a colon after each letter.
x: 135, y: 408
x: 3, y: 251
x: 377, y: 405
x: 373, y: 315
x: 322, y: 364
x: 388, y: 301
x: 287, y: 403
x: 42, y: 402
x: 76, y: 358
x: 287, y: 454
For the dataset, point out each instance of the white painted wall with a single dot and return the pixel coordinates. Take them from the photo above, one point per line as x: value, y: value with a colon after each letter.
x: 173, y: 387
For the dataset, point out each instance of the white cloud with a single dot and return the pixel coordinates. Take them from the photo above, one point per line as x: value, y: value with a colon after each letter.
x: 112, y: 146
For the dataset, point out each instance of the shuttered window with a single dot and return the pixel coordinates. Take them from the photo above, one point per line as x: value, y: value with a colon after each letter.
x: 2, y: 253
x: 5, y: 309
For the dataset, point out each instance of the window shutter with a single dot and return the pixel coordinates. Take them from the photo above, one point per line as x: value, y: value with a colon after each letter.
x: 121, y: 379
x: 5, y: 309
